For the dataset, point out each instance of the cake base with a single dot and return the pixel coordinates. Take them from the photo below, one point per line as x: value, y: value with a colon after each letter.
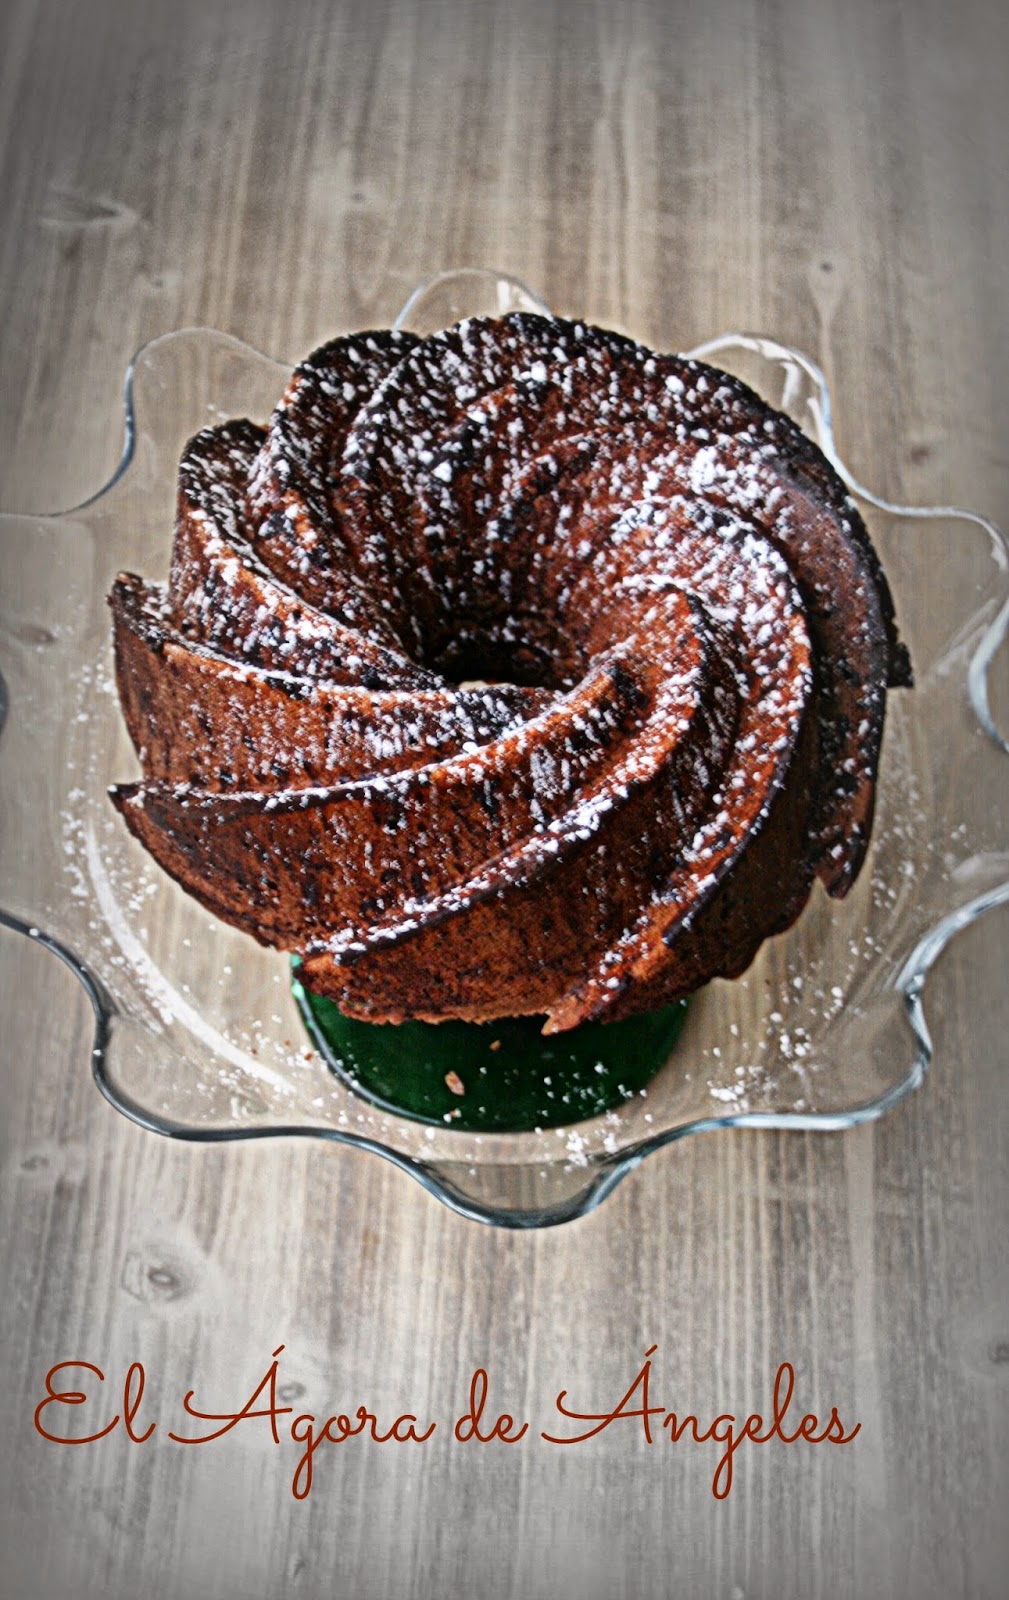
x: 503, y: 1076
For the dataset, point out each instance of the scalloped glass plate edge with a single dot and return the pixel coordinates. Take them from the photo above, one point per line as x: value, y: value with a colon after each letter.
x: 487, y: 291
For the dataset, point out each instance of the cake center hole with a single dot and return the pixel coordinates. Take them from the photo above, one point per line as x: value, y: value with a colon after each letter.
x: 480, y: 661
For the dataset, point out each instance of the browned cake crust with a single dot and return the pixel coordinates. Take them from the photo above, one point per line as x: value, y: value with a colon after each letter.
x: 682, y: 640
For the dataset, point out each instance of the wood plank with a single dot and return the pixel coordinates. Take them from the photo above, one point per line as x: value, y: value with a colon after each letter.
x: 833, y: 174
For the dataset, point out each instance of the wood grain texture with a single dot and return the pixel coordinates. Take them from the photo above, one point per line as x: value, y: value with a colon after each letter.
x: 833, y: 174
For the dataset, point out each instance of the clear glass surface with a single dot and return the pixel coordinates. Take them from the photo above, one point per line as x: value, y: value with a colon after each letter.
x: 197, y: 1033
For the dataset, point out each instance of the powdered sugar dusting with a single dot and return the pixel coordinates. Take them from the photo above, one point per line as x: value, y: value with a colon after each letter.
x: 633, y: 566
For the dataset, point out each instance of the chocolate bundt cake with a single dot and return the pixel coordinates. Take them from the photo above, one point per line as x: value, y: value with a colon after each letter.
x: 513, y: 670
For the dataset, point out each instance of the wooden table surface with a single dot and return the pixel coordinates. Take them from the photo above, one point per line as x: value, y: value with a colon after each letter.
x: 833, y: 174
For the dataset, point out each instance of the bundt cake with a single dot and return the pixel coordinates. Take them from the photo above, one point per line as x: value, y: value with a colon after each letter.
x: 514, y: 670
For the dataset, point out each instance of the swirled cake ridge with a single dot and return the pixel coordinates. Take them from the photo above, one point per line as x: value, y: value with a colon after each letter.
x: 515, y: 670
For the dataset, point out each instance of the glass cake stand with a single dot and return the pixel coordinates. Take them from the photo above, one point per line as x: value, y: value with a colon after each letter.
x: 197, y: 1033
